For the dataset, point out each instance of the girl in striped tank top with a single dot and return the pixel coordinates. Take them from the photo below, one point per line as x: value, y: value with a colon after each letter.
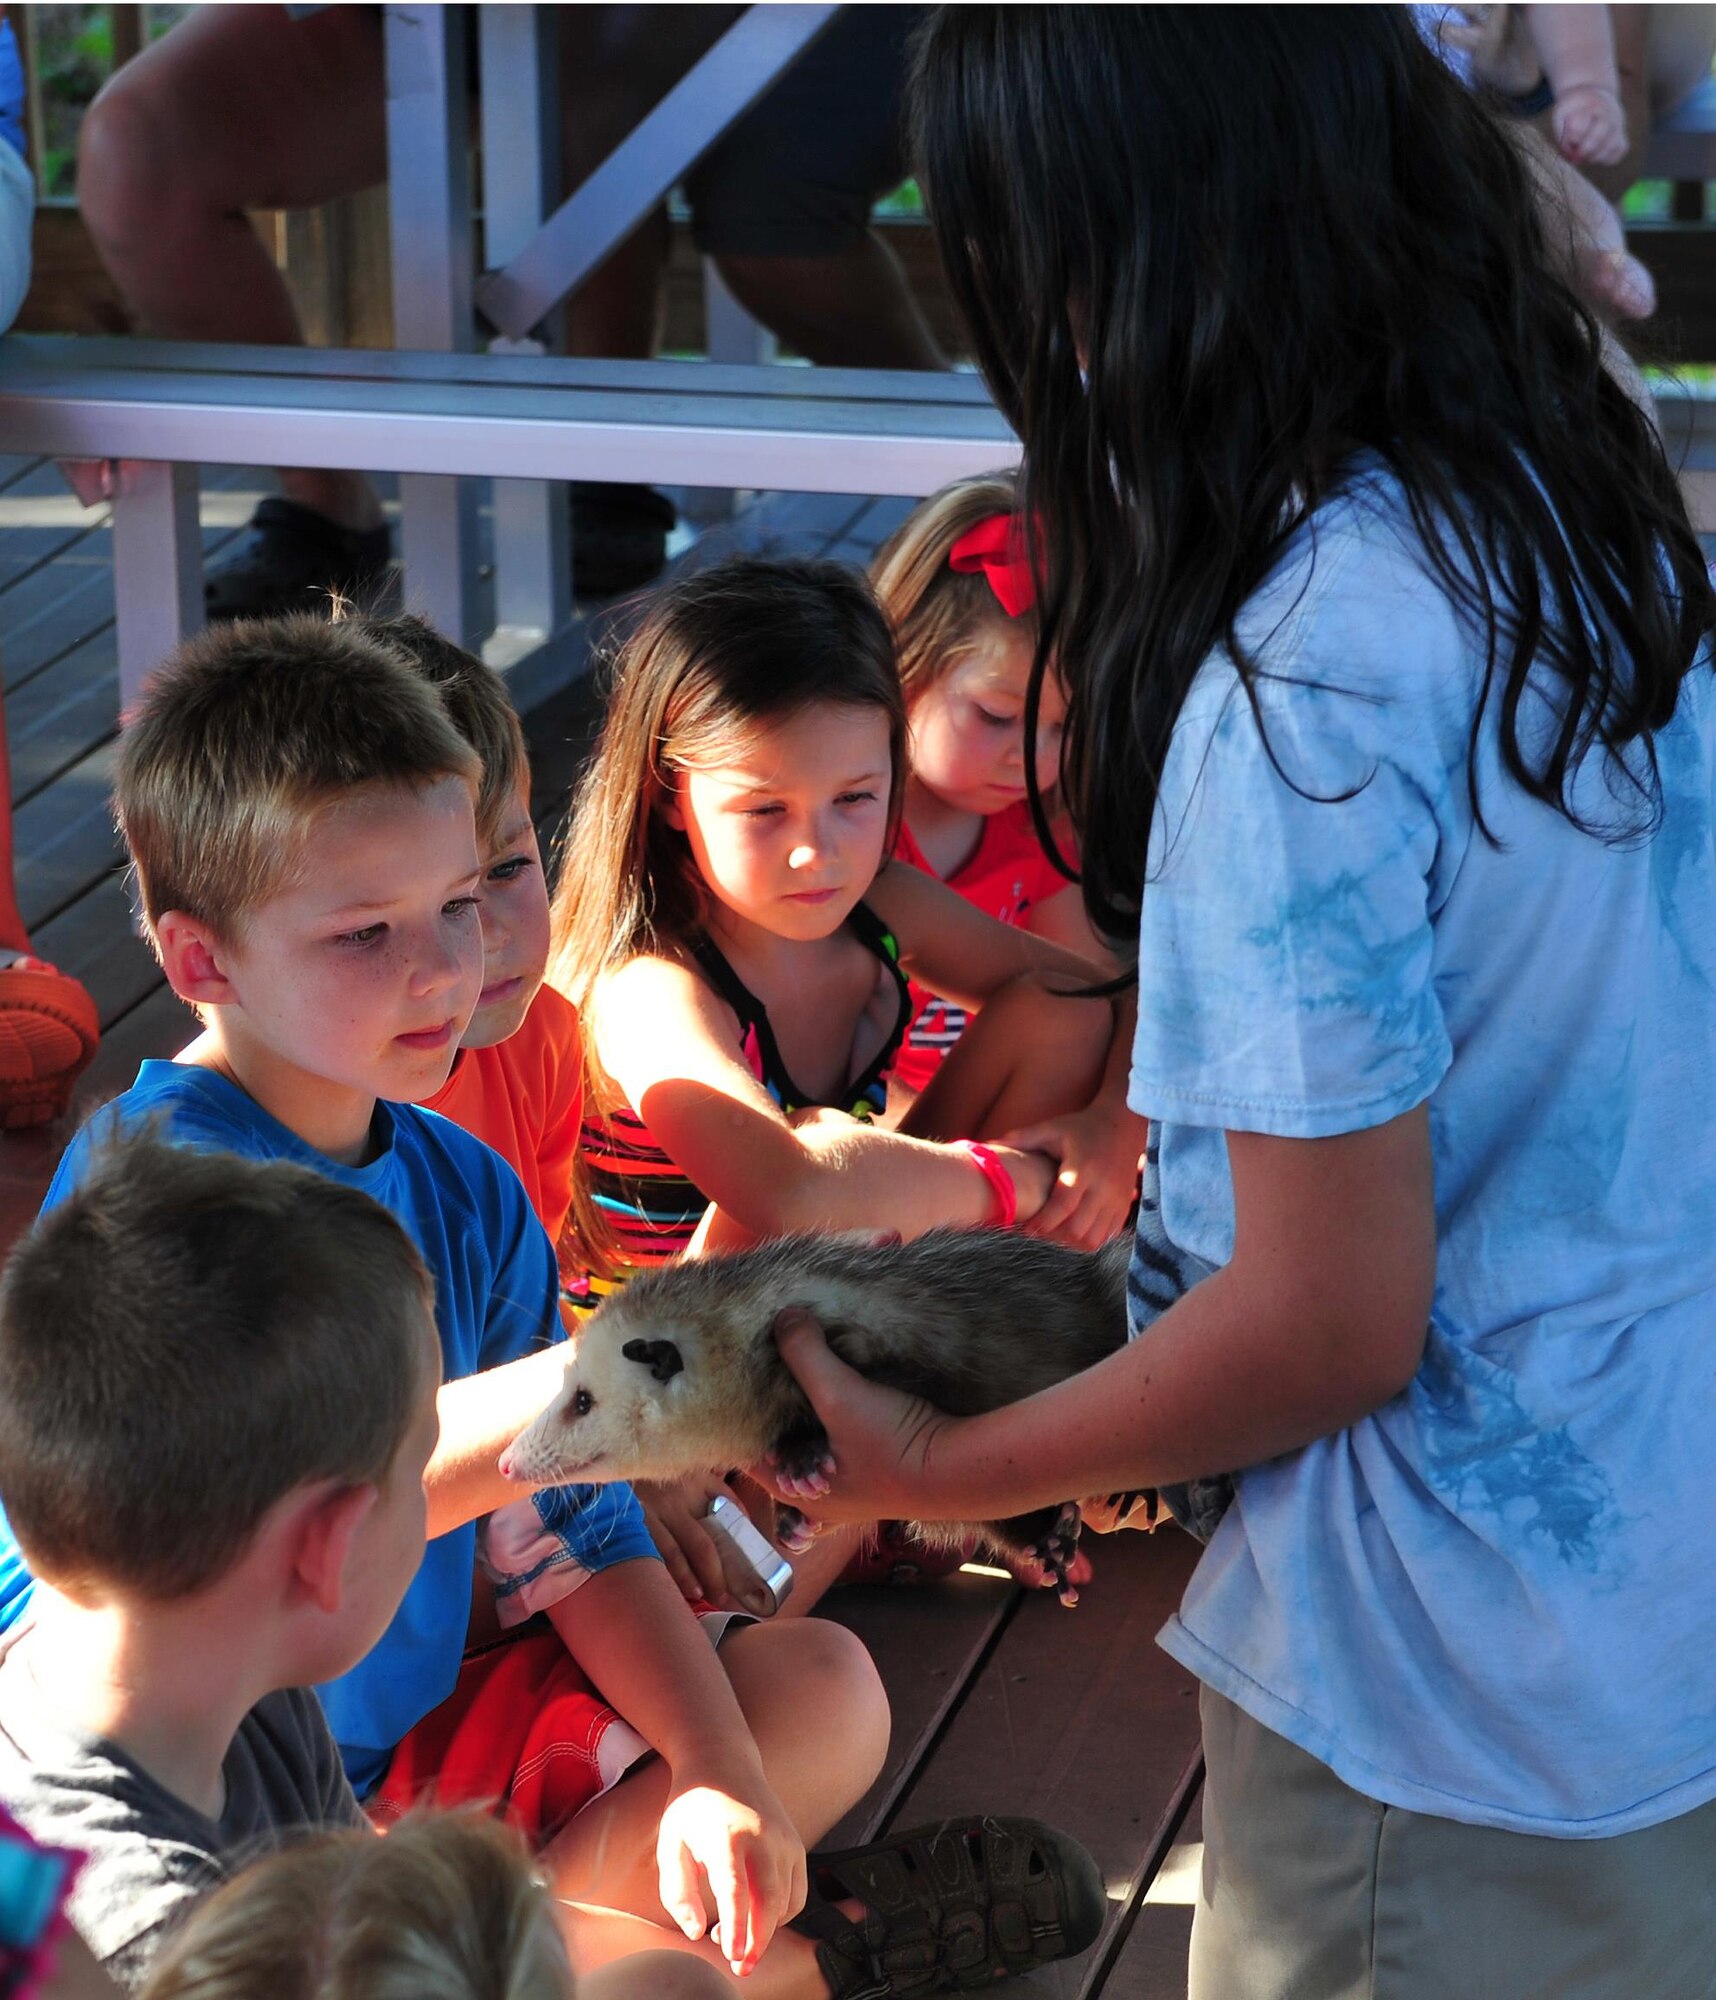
x: 738, y: 953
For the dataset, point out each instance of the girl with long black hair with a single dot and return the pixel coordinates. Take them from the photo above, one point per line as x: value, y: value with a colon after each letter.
x: 1392, y: 736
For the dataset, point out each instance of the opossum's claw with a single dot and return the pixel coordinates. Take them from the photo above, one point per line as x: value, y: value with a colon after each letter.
x: 792, y: 1531
x: 1058, y: 1549
x: 803, y: 1462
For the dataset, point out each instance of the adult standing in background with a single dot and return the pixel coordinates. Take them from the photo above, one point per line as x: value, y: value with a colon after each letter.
x: 246, y: 107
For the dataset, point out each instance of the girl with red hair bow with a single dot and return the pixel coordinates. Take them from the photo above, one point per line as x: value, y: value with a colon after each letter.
x: 957, y: 584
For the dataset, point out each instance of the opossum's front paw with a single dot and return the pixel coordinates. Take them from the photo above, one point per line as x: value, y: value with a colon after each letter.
x: 1057, y: 1548
x: 792, y: 1531
x: 803, y: 1463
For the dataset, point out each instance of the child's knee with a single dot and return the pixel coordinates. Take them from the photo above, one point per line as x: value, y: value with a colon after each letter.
x: 654, y: 1975
x: 824, y: 1675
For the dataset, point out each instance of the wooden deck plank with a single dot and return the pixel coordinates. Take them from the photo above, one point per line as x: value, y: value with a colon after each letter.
x: 1151, y: 1964
x: 62, y: 715
x: 1080, y: 1719
x: 928, y: 1641
x: 94, y: 941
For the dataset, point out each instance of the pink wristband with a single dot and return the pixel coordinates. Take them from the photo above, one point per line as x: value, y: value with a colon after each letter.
x: 988, y: 1163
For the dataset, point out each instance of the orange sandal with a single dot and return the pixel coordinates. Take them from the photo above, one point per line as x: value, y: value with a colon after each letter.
x: 49, y: 1030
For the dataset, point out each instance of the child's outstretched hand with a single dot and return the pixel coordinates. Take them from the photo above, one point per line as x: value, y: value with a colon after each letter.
x: 1098, y: 1150
x: 878, y: 1438
x: 1590, y: 126
x: 673, y: 1512
x: 727, y: 1850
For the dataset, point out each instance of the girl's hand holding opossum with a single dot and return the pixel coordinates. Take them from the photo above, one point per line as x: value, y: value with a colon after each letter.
x: 879, y: 1439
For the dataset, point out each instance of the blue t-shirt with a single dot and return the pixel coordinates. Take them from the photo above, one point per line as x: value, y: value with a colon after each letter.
x: 496, y: 1298
x: 1491, y: 1599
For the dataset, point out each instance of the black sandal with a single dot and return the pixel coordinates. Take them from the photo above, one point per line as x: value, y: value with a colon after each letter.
x: 951, y: 1908
x: 294, y: 559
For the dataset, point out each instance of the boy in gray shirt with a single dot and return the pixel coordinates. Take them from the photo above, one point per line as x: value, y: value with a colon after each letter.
x: 217, y: 1400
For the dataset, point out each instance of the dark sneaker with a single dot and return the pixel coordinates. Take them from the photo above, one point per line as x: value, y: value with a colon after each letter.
x: 294, y: 559
x: 619, y: 537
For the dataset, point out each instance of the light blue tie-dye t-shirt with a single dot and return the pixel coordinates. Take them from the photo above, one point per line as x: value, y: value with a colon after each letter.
x: 1493, y: 1599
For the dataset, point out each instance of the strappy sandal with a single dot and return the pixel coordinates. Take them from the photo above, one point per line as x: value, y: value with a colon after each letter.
x: 294, y: 559
x: 951, y: 1908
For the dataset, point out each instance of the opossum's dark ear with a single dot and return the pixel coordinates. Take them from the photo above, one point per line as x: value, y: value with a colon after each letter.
x: 660, y: 1357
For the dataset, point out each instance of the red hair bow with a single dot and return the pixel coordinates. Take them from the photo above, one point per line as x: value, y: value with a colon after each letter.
x: 996, y: 547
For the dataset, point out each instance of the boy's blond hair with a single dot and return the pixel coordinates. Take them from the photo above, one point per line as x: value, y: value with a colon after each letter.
x: 243, y: 734
x: 475, y: 697
x: 445, y: 1908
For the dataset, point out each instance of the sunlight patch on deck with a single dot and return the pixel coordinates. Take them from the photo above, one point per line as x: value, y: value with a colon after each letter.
x: 224, y: 509
x: 1177, y: 1878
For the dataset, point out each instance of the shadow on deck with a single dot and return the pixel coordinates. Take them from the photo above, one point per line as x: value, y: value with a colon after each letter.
x: 1003, y: 1701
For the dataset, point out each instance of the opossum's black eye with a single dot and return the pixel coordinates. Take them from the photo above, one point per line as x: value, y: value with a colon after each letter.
x: 582, y: 1403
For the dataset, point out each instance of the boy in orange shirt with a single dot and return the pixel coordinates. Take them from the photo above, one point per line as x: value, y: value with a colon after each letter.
x: 518, y: 1079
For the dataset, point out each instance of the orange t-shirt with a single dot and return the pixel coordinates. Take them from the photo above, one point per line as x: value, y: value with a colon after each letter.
x: 525, y: 1098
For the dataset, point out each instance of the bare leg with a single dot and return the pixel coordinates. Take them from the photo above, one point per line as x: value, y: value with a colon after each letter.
x: 1028, y: 1055
x: 616, y: 64
x: 851, y: 309
x: 234, y: 109
x: 654, y: 1975
x: 817, y: 1710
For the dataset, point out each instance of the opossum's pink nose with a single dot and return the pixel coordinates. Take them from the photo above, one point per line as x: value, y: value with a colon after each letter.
x: 508, y: 1467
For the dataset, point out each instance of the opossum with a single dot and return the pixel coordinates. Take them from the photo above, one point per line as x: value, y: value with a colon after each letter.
x: 678, y: 1372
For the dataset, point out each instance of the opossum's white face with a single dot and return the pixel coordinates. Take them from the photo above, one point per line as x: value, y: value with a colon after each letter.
x: 625, y: 1409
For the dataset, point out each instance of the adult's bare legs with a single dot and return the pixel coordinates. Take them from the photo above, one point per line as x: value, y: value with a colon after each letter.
x: 238, y: 107
x: 850, y: 309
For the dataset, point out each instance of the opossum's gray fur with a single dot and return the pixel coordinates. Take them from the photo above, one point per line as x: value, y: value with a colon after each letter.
x: 678, y: 1372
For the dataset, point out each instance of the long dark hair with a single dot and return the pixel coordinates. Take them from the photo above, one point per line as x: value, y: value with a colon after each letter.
x: 1283, y: 237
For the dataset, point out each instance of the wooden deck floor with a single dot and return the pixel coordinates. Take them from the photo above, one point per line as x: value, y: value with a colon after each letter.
x: 1003, y: 1701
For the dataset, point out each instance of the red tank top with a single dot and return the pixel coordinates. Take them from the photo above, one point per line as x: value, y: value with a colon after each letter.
x: 1007, y: 875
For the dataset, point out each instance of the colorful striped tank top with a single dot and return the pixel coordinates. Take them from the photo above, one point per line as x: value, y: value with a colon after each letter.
x: 651, y: 1207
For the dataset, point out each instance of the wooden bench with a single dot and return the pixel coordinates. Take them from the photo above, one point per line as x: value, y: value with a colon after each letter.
x: 151, y: 412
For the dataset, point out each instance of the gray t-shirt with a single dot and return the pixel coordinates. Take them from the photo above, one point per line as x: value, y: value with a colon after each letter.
x: 149, y: 1854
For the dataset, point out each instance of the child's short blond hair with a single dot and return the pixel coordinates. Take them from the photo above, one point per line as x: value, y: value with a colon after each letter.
x: 935, y: 611
x: 447, y: 1907
x: 476, y: 698
x: 243, y: 734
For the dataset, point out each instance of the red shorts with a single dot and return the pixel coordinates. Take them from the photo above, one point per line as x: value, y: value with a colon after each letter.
x: 523, y: 1731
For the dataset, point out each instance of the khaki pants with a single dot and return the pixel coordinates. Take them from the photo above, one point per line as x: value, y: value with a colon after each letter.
x: 1311, y: 1891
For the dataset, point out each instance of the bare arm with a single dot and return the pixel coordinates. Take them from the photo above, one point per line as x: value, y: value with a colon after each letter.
x: 480, y: 1417
x: 954, y: 949
x: 668, y: 1041
x: 1061, y: 919
x: 1318, y: 1318
x: 1576, y: 45
x: 631, y: 1632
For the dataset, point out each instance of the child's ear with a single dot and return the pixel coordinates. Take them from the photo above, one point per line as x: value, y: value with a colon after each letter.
x: 323, y: 1540
x: 193, y: 959
x: 671, y: 810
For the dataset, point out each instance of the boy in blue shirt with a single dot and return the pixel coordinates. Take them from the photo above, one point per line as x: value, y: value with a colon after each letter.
x: 299, y: 812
